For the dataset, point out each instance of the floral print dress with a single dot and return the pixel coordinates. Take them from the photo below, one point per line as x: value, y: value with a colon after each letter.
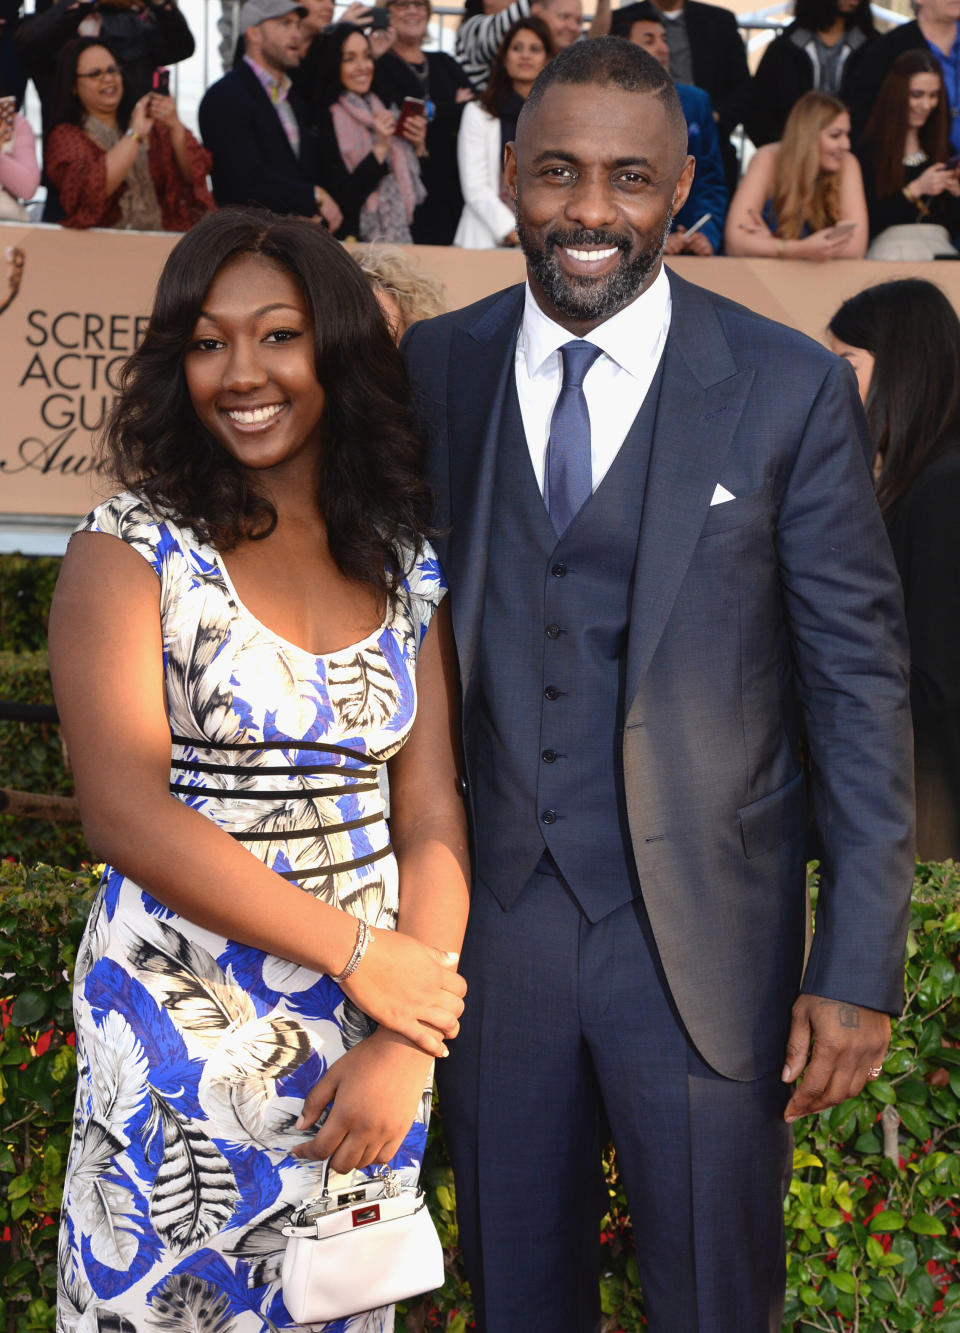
x: 195, y: 1052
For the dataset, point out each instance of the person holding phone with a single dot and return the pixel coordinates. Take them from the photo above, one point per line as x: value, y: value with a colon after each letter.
x: 372, y: 170
x: 910, y: 179
x: 406, y: 71
x: 488, y: 125
x: 802, y: 198
x: 116, y: 165
x: 19, y: 172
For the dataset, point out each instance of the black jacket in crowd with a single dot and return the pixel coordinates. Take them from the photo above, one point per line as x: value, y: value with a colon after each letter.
x: 786, y: 72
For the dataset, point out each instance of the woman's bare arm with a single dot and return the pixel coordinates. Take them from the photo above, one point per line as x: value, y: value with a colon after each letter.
x: 106, y: 663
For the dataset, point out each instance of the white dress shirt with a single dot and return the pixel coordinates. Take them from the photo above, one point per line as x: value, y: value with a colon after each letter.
x: 616, y: 384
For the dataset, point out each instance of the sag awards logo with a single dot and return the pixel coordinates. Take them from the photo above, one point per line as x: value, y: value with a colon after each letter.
x: 66, y: 380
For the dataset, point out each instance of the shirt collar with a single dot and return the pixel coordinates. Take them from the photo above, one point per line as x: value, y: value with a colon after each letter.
x: 278, y: 89
x: 629, y: 337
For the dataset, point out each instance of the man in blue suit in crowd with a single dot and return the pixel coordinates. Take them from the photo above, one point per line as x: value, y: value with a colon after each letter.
x: 643, y: 24
x: 669, y: 582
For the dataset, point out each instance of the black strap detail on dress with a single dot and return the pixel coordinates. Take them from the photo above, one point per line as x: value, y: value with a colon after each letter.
x: 292, y: 794
x: 196, y: 743
x: 278, y: 770
x: 317, y: 872
x: 319, y: 830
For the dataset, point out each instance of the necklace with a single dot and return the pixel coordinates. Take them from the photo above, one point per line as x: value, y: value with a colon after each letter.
x: 916, y: 159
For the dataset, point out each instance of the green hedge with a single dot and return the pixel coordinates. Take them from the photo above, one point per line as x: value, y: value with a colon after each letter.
x: 872, y: 1243
x: 26, y: 587
x: 32, y: 759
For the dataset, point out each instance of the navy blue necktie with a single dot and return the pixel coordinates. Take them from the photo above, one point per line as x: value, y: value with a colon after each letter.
x: 568, y: 480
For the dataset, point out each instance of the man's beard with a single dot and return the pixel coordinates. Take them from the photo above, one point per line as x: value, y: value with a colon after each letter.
x: 579, y: 296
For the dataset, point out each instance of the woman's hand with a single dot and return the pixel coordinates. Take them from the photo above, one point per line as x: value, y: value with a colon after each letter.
x: 357, y: 14
x: 822, y: 245
x: 934, y: 180
x: 383, y: 127
x: 410, y: 988
x: 164, y: 109
x: 415, y: 131
x: 141, y: 120
x: 375, y: 1091
x: 381, y: 40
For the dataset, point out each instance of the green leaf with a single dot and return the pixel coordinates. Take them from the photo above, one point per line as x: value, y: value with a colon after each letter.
x: 914, y: 1121
x: 882, y: 1090
x: 828, y: 1217
x: 887, y: 1221
x: 955, y: 1082
x: 922, y: 1224
x: 844, y: 1282
x: 869, y: 1143
x: 29, y: 1008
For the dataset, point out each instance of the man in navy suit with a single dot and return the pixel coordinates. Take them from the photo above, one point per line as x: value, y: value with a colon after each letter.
x: 256, y: 127
x: 669, y: 582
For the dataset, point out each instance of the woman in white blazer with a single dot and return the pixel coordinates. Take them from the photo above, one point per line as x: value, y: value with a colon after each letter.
x: 487, y: 125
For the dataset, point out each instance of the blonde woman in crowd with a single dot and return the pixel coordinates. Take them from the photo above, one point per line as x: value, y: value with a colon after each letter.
x: 802, y: 198
x: 404, y: 292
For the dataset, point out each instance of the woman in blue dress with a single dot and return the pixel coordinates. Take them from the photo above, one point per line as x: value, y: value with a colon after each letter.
x: 241, y: 639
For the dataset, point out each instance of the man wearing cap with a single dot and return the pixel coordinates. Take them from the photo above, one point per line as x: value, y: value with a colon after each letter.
x: 252, y: 121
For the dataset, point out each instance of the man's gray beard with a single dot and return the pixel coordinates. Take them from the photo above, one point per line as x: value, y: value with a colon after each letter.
x: 583, y: 297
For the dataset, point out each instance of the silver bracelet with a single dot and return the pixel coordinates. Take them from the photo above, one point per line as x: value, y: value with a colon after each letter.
x: 359, y: 949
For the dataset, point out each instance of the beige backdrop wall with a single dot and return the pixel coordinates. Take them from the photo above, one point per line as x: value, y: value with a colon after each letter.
x: 84, y: 297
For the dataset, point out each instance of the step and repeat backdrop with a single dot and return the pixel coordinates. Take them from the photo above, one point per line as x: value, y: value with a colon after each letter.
x: 73, y: 306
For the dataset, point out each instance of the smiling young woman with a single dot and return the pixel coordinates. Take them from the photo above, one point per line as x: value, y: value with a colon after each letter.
x: 488, y: 125
x: 240, y: 641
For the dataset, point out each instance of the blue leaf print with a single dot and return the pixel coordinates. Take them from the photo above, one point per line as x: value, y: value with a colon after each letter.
x: 129, y: 1231
x: 320, y: 1001
x: 172, y: 1071
x: 111, y: 884
x: 258, y: 1180
x: 302, y: 1080
x: 247, y: 971
x: 156, y: 908
x: 406, y: 702
x: 410, y: 1152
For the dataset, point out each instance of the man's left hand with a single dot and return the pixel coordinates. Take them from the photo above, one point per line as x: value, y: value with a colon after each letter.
x: 848, y: 1042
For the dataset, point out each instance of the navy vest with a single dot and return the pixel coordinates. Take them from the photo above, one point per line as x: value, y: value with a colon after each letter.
x: 548, y: 737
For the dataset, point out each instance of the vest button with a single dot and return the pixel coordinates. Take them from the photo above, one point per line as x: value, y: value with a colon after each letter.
x: 553, y: 631
x: 559, y: 570
x: 549, y: 756
x: 549, y: 816
x: 551, y: 693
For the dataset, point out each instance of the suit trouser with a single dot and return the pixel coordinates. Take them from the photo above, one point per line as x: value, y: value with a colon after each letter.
x: 569, y: 1033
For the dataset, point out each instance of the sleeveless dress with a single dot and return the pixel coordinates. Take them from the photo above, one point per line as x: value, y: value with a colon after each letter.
x: 195, y: 1052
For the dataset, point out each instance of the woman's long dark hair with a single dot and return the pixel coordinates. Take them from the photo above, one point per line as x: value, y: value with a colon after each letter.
x: 818, y: 15
x: 67, y: 107
x: 371, y: 495
x: 913, y: 404
x: 499, y: 87
x: 886, y: 129
x: 328, y: 83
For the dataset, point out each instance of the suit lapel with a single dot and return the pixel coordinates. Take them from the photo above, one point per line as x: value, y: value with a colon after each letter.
x: 481, y: 366
x: 701, y: 400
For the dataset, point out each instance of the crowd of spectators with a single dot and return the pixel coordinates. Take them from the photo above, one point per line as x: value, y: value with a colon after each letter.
x: 850, y: 137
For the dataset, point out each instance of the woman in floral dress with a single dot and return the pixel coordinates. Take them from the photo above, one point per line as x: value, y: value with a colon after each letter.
x: 240, y: 640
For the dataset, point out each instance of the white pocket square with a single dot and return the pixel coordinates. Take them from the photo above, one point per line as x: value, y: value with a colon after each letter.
x: 721, y: 495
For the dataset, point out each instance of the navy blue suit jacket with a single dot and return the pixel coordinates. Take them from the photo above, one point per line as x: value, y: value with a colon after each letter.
x: 253, y: 162
x: 762, y: 627
x: 709, y: 191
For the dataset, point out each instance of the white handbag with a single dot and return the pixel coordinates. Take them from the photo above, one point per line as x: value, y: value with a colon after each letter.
x: 359, y: 1248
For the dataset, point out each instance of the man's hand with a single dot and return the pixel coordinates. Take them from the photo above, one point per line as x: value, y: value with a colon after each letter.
x: 848, y: 1041
x: 678, y: 243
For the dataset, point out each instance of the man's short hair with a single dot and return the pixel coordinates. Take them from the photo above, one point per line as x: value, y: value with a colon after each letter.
x: 609, y: 62
x: 642, y: 11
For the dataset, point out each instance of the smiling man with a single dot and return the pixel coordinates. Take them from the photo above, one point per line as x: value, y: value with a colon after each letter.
x: 665, y: 560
